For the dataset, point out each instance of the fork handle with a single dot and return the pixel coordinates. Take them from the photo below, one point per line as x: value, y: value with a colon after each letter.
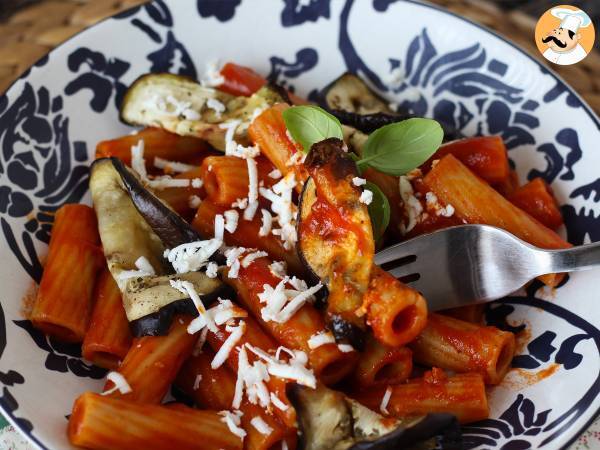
x: 572, y: 259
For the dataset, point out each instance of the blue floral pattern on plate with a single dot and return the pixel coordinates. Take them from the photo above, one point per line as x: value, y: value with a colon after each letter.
x: 472, y: 80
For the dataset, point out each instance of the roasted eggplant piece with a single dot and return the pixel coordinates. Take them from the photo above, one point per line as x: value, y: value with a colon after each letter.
x: 335, y: 236
x: 328, y: 420
x: 355, y: 105
x: 166, y: 223
x: 351, y: 94
x: 181, y: 105
x: 125, y: 234
x: 153, y: 302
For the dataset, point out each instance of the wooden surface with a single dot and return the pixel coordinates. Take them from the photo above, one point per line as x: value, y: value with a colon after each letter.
x: 32, y: 31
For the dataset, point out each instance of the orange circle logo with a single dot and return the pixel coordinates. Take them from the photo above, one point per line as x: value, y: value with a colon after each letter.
x: 564, y: 35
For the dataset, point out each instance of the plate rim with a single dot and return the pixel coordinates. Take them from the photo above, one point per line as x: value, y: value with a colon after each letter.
x: 13, y: 420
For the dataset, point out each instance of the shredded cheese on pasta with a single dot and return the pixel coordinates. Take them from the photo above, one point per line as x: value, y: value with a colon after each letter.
x: 385, y: 400
x: 192, y: 256
x: 261, y: 426
x: 120, y: 384
x: 172, y: 166
x: 321, y: 338
x: 233, y: 419
x: 235, y: 335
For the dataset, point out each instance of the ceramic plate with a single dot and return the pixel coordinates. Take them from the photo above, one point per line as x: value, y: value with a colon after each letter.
x: 438, y: 64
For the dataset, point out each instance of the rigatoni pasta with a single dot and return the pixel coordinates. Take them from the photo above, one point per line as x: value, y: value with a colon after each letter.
x: 108, y: 338
x: 109, y: 424
x: 461, y: 346
x: 64, y: 301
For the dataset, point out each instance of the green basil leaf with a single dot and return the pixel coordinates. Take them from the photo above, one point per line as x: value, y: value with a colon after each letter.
x: 379, y: 210
x: 400, y: 147
x: 310, y: 124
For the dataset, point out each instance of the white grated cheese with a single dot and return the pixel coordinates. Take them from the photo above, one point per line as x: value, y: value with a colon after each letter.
x: 267, y: 223
x: 233, y: 419
x: 257, y: 112
x: 230, y: 127
x: 434, y: 205
x: 345, y: 348
x: 385, y: 400
x: 252, y: 379
x: 225, y: 311
x: 241, y: 203
x: 137, y: 160
x: 173, y: 166
x: 261, y: 426
x: 219, y: 227
x: 216, y: 106
x: 231, y: 220
x: 295, y: 369
x: 233, y: 254
x: 278, y: 269
x: 120, y: 384
x: 212, y: 75
x: 281, y: 303
x: 448, y: 211
x: 197, y: 183
x: 252, y: 188
x: 250, y: 211
x: 278, y: 403
x: 192, y: 256
x: 320, y: 338
x: 412, y: 205
x: 284, y: 445
x: 144, y: 267
x: 200, y: 342
x: 165, y: 181
x: 296, y: 159
x: 250, y: 257
x: 275, y: 174
x: 194, y: 201
x: 357, y: 181
x: 280, y: 197
x: 197, y: 382
x: 203, y: 319
x: 366, y: 197
x: 212, y: 270
x: 235, y: 335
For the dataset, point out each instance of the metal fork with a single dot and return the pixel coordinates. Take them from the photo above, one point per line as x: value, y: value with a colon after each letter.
x: 470, y: 264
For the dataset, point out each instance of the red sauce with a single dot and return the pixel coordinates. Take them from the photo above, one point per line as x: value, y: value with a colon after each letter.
x: 331, y: 225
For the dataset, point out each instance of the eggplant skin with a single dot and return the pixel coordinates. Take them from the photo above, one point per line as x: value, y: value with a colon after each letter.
x: 330, y: 151
x: 344, y: 331
x: 341, y: 260
x: 367, y: 123
x: 158, y: 323
x: 168, y: 226
x: 329, y: 420
x: 350, y: 93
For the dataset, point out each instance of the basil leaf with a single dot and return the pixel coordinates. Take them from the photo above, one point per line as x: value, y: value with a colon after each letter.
x: 310, y: 124
x: 400, y: 147
x: 379, y: 210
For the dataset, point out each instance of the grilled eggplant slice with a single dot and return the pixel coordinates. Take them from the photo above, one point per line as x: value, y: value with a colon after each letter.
x: 355, y: 105
x: 335, y: 236
x: 180, y: 105
x: 351, y: 94
x: 149, y: 302
x: 328, y: 420
x: 167, y: 224
x: 153, y: 302
x: 124, y: 233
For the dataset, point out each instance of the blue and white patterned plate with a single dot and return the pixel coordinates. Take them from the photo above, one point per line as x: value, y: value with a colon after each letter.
x: 436, y: 63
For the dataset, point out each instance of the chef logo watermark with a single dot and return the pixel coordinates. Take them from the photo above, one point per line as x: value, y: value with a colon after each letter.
x: 564, y: 35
